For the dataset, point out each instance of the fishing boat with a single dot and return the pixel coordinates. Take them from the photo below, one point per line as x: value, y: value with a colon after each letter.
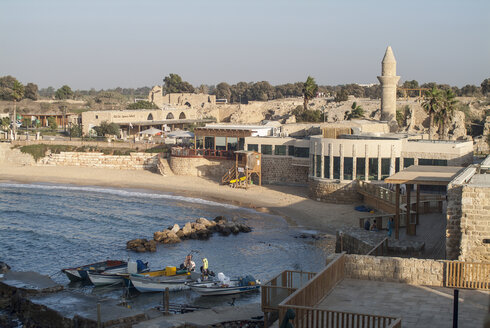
x: 158, y: 281
x: 228, y: 287
x: 114, y: 278
x: 80, y: 273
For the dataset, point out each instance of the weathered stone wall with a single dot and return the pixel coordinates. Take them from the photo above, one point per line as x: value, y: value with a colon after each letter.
x: 200, y: 166
x: 135, y: 161
x: 13, y: 156
x: 395, y: 269
x: 356, y: 241
x: 331, y: 191
x: 279, y: 169
x: 453, y: 224
x: 475, y: 223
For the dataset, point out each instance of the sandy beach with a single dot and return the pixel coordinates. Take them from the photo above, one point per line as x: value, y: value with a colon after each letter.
x: 289, y: 202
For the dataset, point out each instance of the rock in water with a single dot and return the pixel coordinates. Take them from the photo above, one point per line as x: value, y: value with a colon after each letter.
x: 4, y: 267
x: 187, y: 229
x: 175, y: 228
x: 171, y: 238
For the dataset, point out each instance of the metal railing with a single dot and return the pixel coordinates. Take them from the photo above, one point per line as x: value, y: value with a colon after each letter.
x: 206, y: 153
x: 472, y: 275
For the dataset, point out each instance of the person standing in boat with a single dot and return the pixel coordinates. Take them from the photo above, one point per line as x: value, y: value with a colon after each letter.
x: 189, y: 263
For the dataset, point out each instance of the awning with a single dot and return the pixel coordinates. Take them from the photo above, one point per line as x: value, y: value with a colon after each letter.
x: 180, y: 134
x: 426, y: 175
x: 151, y: 131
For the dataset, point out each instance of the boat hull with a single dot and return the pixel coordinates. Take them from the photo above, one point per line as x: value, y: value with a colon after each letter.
x: 214, y: 289
x: 99, y: 279
x: 145, y: 284
x: 80, y: 273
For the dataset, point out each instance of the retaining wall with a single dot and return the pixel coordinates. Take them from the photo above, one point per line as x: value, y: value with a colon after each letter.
x: 135, y: 161
x: 332, y: 191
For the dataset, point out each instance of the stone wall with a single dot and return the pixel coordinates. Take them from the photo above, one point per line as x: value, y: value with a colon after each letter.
x: 395, y: 269
x: 199, y: 166
x: 475, y: 224
x: 356, y: 241
x: 468, y: 223
x: 332, y: 191
x: 135, y: 161
x: 13, y: 156
x: 279, y: 169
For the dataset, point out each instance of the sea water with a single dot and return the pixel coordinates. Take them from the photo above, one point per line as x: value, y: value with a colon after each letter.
x: 47, y: 227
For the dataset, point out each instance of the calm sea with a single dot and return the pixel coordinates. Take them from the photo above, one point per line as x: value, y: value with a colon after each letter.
x: 47, y: 227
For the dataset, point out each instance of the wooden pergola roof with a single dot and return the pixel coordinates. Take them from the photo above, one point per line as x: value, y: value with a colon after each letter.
x: 220, y: 132
x: 425, y: 175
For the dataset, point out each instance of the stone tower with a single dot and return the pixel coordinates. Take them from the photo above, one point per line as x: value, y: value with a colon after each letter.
x: 389, y: 81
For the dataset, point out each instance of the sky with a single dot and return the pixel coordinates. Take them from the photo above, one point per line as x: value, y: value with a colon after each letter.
x: 109, y: 43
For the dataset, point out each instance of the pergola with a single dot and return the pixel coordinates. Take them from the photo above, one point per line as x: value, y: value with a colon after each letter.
x: 418, y: 175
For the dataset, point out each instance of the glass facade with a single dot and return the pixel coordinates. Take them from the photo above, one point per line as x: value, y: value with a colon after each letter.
x: 397, y: 164
x: 385, y: 167
x: 360, y: 168
x: 253, y: 147
x: 348, y: 167
x: 209, y: 142
x: 220, y: 143
x: 291, y: 150
x: 280, y: 150
x: 336, y: 167
x: 326, y: 168
x: 373, y: 168
x: 301, y: 152
x: 408, y: 162
x: 318, y: 166
x: 266, y: 149
x: 232, y: 143
x: 434, y: 162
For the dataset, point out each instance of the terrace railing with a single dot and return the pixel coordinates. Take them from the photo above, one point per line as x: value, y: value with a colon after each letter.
x: 472, y: 275
x: 206, y: 153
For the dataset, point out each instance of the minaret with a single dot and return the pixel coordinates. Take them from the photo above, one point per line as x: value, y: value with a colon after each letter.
x: 389, y: 81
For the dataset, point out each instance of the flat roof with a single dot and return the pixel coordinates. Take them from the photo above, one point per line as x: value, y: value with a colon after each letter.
x: 426, y: 175
x: 148, y: 123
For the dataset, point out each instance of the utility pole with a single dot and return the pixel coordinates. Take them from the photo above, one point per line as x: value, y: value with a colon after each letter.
x: 14, y: 120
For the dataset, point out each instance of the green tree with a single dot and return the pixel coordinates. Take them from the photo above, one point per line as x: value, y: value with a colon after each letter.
x: 5, y: 123
x: 445, y: 113
x: 106, y: 128
x: 31, y: 91
x: 485, y: 86
x: 142, y: 104
x: 6, y: 87
x: 64, y: 92
x: 310, y: 90
x: 76, y: 131
x: 341, y: 96
x: 356, y: 112
x: 173, y: 84
x: 223, y: 91
x: 52, y: 123
x: 431, y: 104
x: 411, y: 84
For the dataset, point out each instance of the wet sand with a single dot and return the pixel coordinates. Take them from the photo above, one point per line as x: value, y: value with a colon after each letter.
x: 289, y: 202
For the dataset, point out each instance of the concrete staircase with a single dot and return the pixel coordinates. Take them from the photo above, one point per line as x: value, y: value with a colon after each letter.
x: 163, y: 167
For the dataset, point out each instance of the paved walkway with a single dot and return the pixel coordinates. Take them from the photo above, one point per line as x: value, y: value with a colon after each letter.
x: 419, y: 306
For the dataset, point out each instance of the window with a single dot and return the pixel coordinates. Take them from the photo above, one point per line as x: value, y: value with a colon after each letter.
x: 170, y: 116
x: 434, y: 162
x: 326, y: 172
x: 360, y: 168
x: 397, y: 164
x: 150, y: 117
x: 291, y: 150
x: 266, y: 149
x: 373, y: 169
x: 301, y: 152
x: 96, y: 117
x: 232, y: 143
x: 253, y: 147
x: 199, y: 142
x: 318, y: 166
x: 241, y: 143
x: 182, y: 116
x: 408, y: 162
x: 336, y: 167
x: 220, y: 143
x: 385, y: 167
x: 280, y: 150
x: 209, y: 142
x: 348, y: 168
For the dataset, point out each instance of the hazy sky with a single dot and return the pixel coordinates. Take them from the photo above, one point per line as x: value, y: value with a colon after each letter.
x: 105, y: 44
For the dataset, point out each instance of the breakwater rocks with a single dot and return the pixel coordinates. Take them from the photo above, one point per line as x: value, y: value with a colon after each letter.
x: 200, y: 229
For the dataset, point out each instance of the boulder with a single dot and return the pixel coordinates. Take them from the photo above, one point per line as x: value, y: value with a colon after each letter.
x: 205, y: 222
x: 159, y: 236
x: 224, y: 229
x: 4, y: 267
x: 171, y: 238
x: 234, y: 228
x: 243, y: 227
x: 193, y: 235
x: 199, y: 227
x: 151, y: 246
x: 187, y: 229
x: 175, y: 228
x: 140, y: 249
x: 220, y: 219
x: 135, y: 243
x: 180, y: 234
x: 203, y: 234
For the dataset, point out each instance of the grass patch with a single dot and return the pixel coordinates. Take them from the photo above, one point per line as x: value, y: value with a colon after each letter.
x: 158, y: 149
x: 39, y: 151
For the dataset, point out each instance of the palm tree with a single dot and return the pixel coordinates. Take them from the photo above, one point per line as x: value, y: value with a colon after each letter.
x: 432, y: 103
x: 310, y: 89
x: 446, y: 112
x: 17, y: 94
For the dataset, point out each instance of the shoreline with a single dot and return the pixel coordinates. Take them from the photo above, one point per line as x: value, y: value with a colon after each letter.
x: 289, y: 202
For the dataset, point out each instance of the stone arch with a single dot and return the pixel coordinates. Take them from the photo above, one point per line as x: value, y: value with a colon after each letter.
x: 170, y: 116
x: 182, y: 116
x: 150, y: 117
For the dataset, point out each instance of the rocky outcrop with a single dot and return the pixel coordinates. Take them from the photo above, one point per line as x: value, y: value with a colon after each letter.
x: 142, y: 245
x: 202, y: 229
x: 4, y: 267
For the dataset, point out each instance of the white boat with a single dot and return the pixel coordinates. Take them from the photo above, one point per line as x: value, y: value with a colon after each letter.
x: 147, y: 283
x: 218, y: 288
x: 105, y: 278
